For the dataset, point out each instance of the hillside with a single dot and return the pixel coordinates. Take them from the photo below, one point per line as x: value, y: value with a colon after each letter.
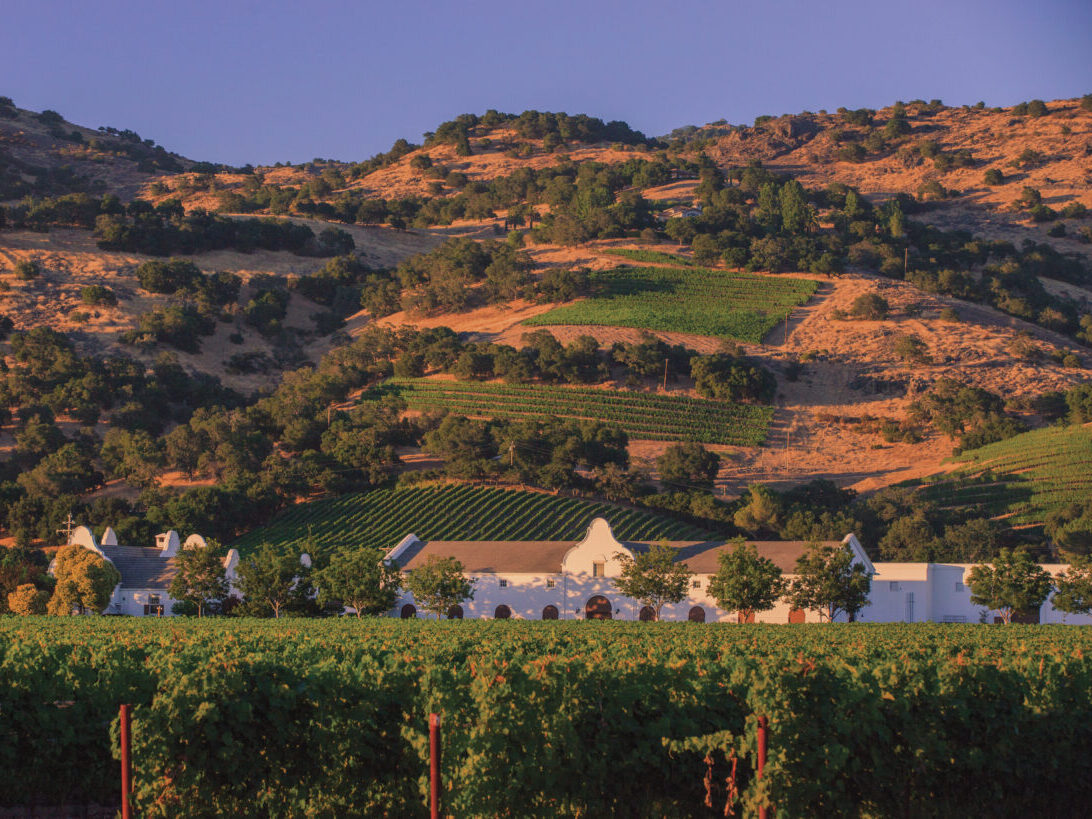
x: 381, y: 518
x: 842, y: 297
x: 42, y: 153
x: 1040, y: 477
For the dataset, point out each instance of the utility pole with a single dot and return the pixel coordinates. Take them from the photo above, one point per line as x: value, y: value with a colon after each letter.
x: 906, y: 261
x: 67, y: 530
x: 665, y: 373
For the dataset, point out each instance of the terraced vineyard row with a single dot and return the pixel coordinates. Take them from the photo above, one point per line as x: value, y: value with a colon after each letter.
x: 652, y: 257
x: 645, y: 416
x: 381, y: 518
x: 1025, y: 477
x: 696, y: 300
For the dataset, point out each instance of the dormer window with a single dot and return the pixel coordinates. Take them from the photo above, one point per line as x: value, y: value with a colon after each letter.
x: 504, y: 584
x: 599, y: 569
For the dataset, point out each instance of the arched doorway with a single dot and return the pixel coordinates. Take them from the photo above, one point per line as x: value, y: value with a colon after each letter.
x: 647, y: 615
x: 455, y: 613
x: 409, y: 611
x: 745, y: 618
x: 549, y: 613
x: 697, y: 615
x: 598, y: 608
x: 502, y: 612
x: 796, y: 616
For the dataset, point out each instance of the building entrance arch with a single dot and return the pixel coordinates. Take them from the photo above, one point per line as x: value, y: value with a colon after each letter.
x: 409, y: 611
x: 598, y: 608
x: 550, y: 613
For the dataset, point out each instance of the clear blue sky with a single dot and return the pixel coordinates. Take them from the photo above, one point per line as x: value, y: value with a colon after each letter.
x: 241, y: 81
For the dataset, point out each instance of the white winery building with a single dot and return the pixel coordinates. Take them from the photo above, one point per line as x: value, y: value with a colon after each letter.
x: 146, y: 571
x: 565, y: 580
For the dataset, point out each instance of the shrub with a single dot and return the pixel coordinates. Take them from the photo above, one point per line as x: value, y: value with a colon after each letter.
x: 27, y: 269
x: 911, y: 349
x: 99, y: 295
x: 932, y: 191
x: 1057, y: 230
x: 167, y: 277
x: 851, y: 153
x: 861, y: 116
x: 994, y: 177
x: 1029, y: 197
x: 1074, y: 210
x: 1037, y: 108
x: 1041, y: 213
x: 870, y: 306
x: 949, y: 314
x: 1028, y: 158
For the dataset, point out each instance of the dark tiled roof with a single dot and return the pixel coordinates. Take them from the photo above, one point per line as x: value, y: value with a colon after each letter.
x: 484, y: 556
x: 141, y: 568
x: 702, y: 557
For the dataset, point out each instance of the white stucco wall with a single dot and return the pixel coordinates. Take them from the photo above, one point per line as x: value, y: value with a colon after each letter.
x: 901, y: 592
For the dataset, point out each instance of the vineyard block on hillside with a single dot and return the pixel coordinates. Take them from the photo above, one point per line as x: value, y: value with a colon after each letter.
x: 644, y: 416
x: 704, y: 302
x: 381, y: 518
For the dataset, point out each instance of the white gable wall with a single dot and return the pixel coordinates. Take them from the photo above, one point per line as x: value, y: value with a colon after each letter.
x: 901, y: 592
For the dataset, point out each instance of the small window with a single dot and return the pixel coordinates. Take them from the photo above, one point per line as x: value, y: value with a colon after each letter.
x: 153, y: 599
x: 599, y: 569
x: 550, y: 582
x: 695, y: 584
x: 894, y: 586
x: 959, y: 586
x: 504, y: 584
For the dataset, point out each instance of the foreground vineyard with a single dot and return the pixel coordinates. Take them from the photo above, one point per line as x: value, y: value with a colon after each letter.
x: 384, y: 516
x: 642, y: 415
x: 1026, y: 477
x: 697, y: 300
x: 306, y: 718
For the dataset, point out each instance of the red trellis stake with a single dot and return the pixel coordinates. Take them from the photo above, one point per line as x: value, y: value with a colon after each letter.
x: 434, y: 765
x: 126, y: 764
x: 763, y: 726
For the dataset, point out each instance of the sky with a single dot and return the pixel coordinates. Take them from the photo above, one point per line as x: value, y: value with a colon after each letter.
x: 241, y: 81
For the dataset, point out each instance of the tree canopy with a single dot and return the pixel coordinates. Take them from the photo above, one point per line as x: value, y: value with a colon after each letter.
x: 745, y: 581
x: 271, y: 578
x: 830, y: 581
x: 653, y: 578
x: 1012, y: 583
x: 438, y: 584
x: 359, y: 578
x: 85, y: 581
x: 201, y: 580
